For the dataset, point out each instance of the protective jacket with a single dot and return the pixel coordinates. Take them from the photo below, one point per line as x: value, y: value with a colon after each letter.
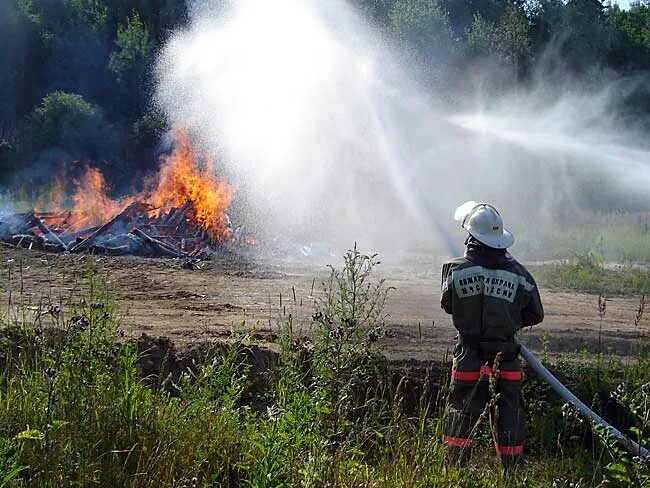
x: 490, y: 297
x: 489, y: 294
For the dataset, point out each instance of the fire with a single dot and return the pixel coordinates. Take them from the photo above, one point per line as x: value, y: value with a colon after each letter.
x: 180, y: 182
x: 91, y: 204
x: 53, y: 197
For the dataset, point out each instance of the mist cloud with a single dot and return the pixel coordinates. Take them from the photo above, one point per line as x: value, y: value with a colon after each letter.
x: 329, y: 136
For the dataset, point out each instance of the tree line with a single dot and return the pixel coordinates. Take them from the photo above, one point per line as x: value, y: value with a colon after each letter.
x: 76, y: 80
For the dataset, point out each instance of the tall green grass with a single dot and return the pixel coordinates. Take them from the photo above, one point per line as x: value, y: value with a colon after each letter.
x: 586, y: 272
x: 74, y: 410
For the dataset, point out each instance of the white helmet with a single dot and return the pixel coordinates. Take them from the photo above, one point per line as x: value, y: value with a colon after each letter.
x: 484, y: 223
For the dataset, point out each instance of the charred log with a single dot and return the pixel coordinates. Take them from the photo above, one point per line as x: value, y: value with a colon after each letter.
x: 163, y: 248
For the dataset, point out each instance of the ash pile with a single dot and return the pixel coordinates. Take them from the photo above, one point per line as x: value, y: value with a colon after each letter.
x: 140, y: 230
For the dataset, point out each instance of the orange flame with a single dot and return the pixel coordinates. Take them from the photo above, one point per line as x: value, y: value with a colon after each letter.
x: 52, y: 198
x: 91, y: 204
x: 180, y: 181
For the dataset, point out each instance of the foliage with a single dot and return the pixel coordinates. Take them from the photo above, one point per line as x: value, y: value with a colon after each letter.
x: 134, y: 45
x: 10, y: 65
x: 75, y: 408
x: 66, y: 120
x: 423, y: 25
x: 637, y: 402
x: 507, y: 41
x: 512, y: 40
x: 585, y: 271
x: 576, y: 35
x: 633, y: 35
x: 92, y: 13
x: 103, y: 50
x: 130, y: 61
x: 349, y: 321
x: 481, y: 37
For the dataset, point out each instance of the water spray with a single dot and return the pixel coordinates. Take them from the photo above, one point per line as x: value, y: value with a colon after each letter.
x: 318, y: 115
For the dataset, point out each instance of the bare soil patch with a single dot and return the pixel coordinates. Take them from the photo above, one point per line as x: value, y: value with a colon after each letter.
x: 161, y: 298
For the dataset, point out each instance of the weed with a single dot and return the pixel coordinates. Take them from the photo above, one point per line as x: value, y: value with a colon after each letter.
x: 587, y: 272
x: 74, y: 409
x: 349, y: 321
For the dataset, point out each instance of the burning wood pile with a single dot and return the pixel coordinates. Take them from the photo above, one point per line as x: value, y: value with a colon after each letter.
x: 182, y: 214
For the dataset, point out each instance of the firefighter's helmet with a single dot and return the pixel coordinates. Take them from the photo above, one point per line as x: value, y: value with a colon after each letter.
x: 484, y: 223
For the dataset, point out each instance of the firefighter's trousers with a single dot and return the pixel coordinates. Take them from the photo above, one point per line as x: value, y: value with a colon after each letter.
x: 469, y: 395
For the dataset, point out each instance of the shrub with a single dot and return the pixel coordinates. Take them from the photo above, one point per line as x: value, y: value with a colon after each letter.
x: 66, y: 120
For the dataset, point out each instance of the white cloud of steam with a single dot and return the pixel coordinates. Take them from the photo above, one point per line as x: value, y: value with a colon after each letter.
x: 328, y: 137
x: 578, y: 129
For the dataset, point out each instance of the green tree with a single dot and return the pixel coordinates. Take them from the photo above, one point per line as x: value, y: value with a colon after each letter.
x: 67, y: 121
x: 20, y: 58
x: 10, y: 66
x: 131, y: 60
x: 481, y: 37
x: 512, y: 41
x: 88, y: 13
x: 633, y: 36
x: 128, y: 62
x: 462, y: 13
x: 577, y: 35
x: 506, y: 41
x: 423, y: 26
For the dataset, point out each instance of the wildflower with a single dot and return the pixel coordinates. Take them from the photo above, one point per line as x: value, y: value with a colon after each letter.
x: 275, y: 413
x: 571, y: 412
x: 646, y: 389
x: 619, y: 393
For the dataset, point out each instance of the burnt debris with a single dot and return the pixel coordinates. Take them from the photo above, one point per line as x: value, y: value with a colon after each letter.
x: 140, y: 229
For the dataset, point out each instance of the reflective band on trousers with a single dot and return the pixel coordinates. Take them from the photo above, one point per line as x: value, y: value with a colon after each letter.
x: 485, y: 370
x: 456, y: 441
x: 510, y: 450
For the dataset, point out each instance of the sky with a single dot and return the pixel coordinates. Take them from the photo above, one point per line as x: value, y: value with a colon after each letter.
x: 624, y: 4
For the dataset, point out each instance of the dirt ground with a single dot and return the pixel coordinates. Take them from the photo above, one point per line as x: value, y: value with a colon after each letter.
x: 249, y: 294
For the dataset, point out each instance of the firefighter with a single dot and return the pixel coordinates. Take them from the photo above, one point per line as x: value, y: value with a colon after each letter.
x: 490, y: 296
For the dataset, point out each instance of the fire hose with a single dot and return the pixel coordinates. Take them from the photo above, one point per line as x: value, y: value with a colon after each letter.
x: 566, y: 394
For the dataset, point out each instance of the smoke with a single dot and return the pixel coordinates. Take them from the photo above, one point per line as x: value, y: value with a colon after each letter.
x: 329, y: 136
x: 6, y: 204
